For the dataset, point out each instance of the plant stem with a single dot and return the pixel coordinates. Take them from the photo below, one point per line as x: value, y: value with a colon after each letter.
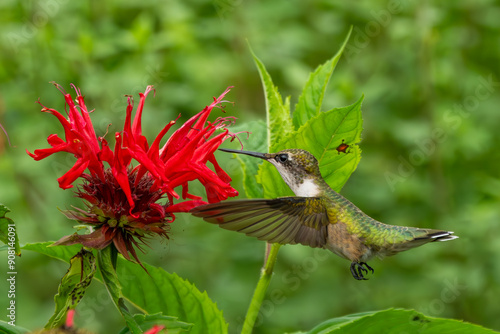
x: 261, y: 288
x: 106, y: 262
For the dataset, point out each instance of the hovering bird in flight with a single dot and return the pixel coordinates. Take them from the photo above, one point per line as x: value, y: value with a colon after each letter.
x: 317, y: 216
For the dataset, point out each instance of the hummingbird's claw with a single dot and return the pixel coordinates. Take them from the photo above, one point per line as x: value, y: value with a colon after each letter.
x: 358, y: 270
x: 367, y: 266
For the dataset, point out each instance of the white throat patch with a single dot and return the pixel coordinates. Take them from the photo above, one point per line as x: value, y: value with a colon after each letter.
x: 308, y: 188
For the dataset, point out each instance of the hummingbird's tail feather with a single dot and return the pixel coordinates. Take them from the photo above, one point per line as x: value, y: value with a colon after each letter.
x: 436, y: 235
x: 411, y: 237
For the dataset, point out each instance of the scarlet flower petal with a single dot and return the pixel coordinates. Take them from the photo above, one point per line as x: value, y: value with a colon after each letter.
x: 120, y: 172
x: 136, y: 127
x: 184, y: 206
x: 220, y: 172
x: 106, y: 154
x: 65, y: 181
x: 55, y: 140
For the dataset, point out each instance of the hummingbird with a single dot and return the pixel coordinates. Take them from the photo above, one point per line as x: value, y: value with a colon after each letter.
x: 317, y: 216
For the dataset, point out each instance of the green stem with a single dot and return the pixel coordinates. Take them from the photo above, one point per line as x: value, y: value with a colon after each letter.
x: 106, y: 261
x: 261, y: 288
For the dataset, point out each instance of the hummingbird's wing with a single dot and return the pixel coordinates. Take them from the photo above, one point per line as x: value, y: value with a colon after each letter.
x: 285, y: 220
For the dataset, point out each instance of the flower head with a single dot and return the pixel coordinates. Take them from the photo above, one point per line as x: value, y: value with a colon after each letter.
x: 128, y: 201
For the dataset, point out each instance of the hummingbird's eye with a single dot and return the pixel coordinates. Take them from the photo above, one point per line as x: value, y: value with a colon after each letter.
x: 282, y: 158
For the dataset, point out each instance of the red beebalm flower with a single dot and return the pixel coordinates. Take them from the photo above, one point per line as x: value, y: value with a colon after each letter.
x: 123, y: 201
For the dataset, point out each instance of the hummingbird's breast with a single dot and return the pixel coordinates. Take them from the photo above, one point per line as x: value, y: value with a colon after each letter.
x: 347, y: 245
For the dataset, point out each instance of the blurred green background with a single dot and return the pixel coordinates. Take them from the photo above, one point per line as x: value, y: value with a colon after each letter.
x: 429, y: 71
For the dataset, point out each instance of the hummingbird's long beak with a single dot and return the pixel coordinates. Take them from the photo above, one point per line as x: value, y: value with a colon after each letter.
x: 252, y: 154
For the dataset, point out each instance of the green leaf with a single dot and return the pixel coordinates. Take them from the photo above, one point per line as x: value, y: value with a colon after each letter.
x: 171, y: 295
x: 73, y: 286
x: 147, y: 321
x: 311, y: 99
x: 258, y: 143
x: 314, y: 131
x: 8, y: 234
x: 157, y: 292
x: 321, y: 136
x: 395, y: 321
x: 106, y: 260
x: 324, y: 133
x: 5, y: 328
x: 279, y: 122
x: 64, y: 253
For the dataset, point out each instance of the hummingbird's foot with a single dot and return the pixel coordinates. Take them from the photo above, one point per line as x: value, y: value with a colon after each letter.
x: 358, y: 270
x: 367, y: 266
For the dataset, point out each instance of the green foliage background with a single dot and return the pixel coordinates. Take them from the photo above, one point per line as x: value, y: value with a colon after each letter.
x: 415, y: 63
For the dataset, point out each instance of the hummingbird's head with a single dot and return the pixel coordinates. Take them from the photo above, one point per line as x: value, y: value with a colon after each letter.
x: 298, y: 168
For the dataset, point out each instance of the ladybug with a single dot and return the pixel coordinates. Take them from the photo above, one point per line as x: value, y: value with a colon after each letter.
x: 343, y: 147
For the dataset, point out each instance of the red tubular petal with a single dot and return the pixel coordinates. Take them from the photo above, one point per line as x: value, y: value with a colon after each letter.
x: 45, y: 152
x: 106, y: 154
x: 184, y: 206
x: 55, y: 140
x: 183, y: 177
x: 220, y: 172
x: 87, y: 122
x: 189, y: 130
x: 208, y: 109
x: 64, y: 122
x: 80, y: 126
x: 184, y: 154
x: 186, y: 194
x: 155, y: 146
x: 127, y: 127
x: 178, y: 139
x: 158, y: 208
x: 80, y: 140
x: 156, y: 169
x: 120, y: 172
x: 207, y: 149
x: 136, y: 127
x: 65, y: 181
